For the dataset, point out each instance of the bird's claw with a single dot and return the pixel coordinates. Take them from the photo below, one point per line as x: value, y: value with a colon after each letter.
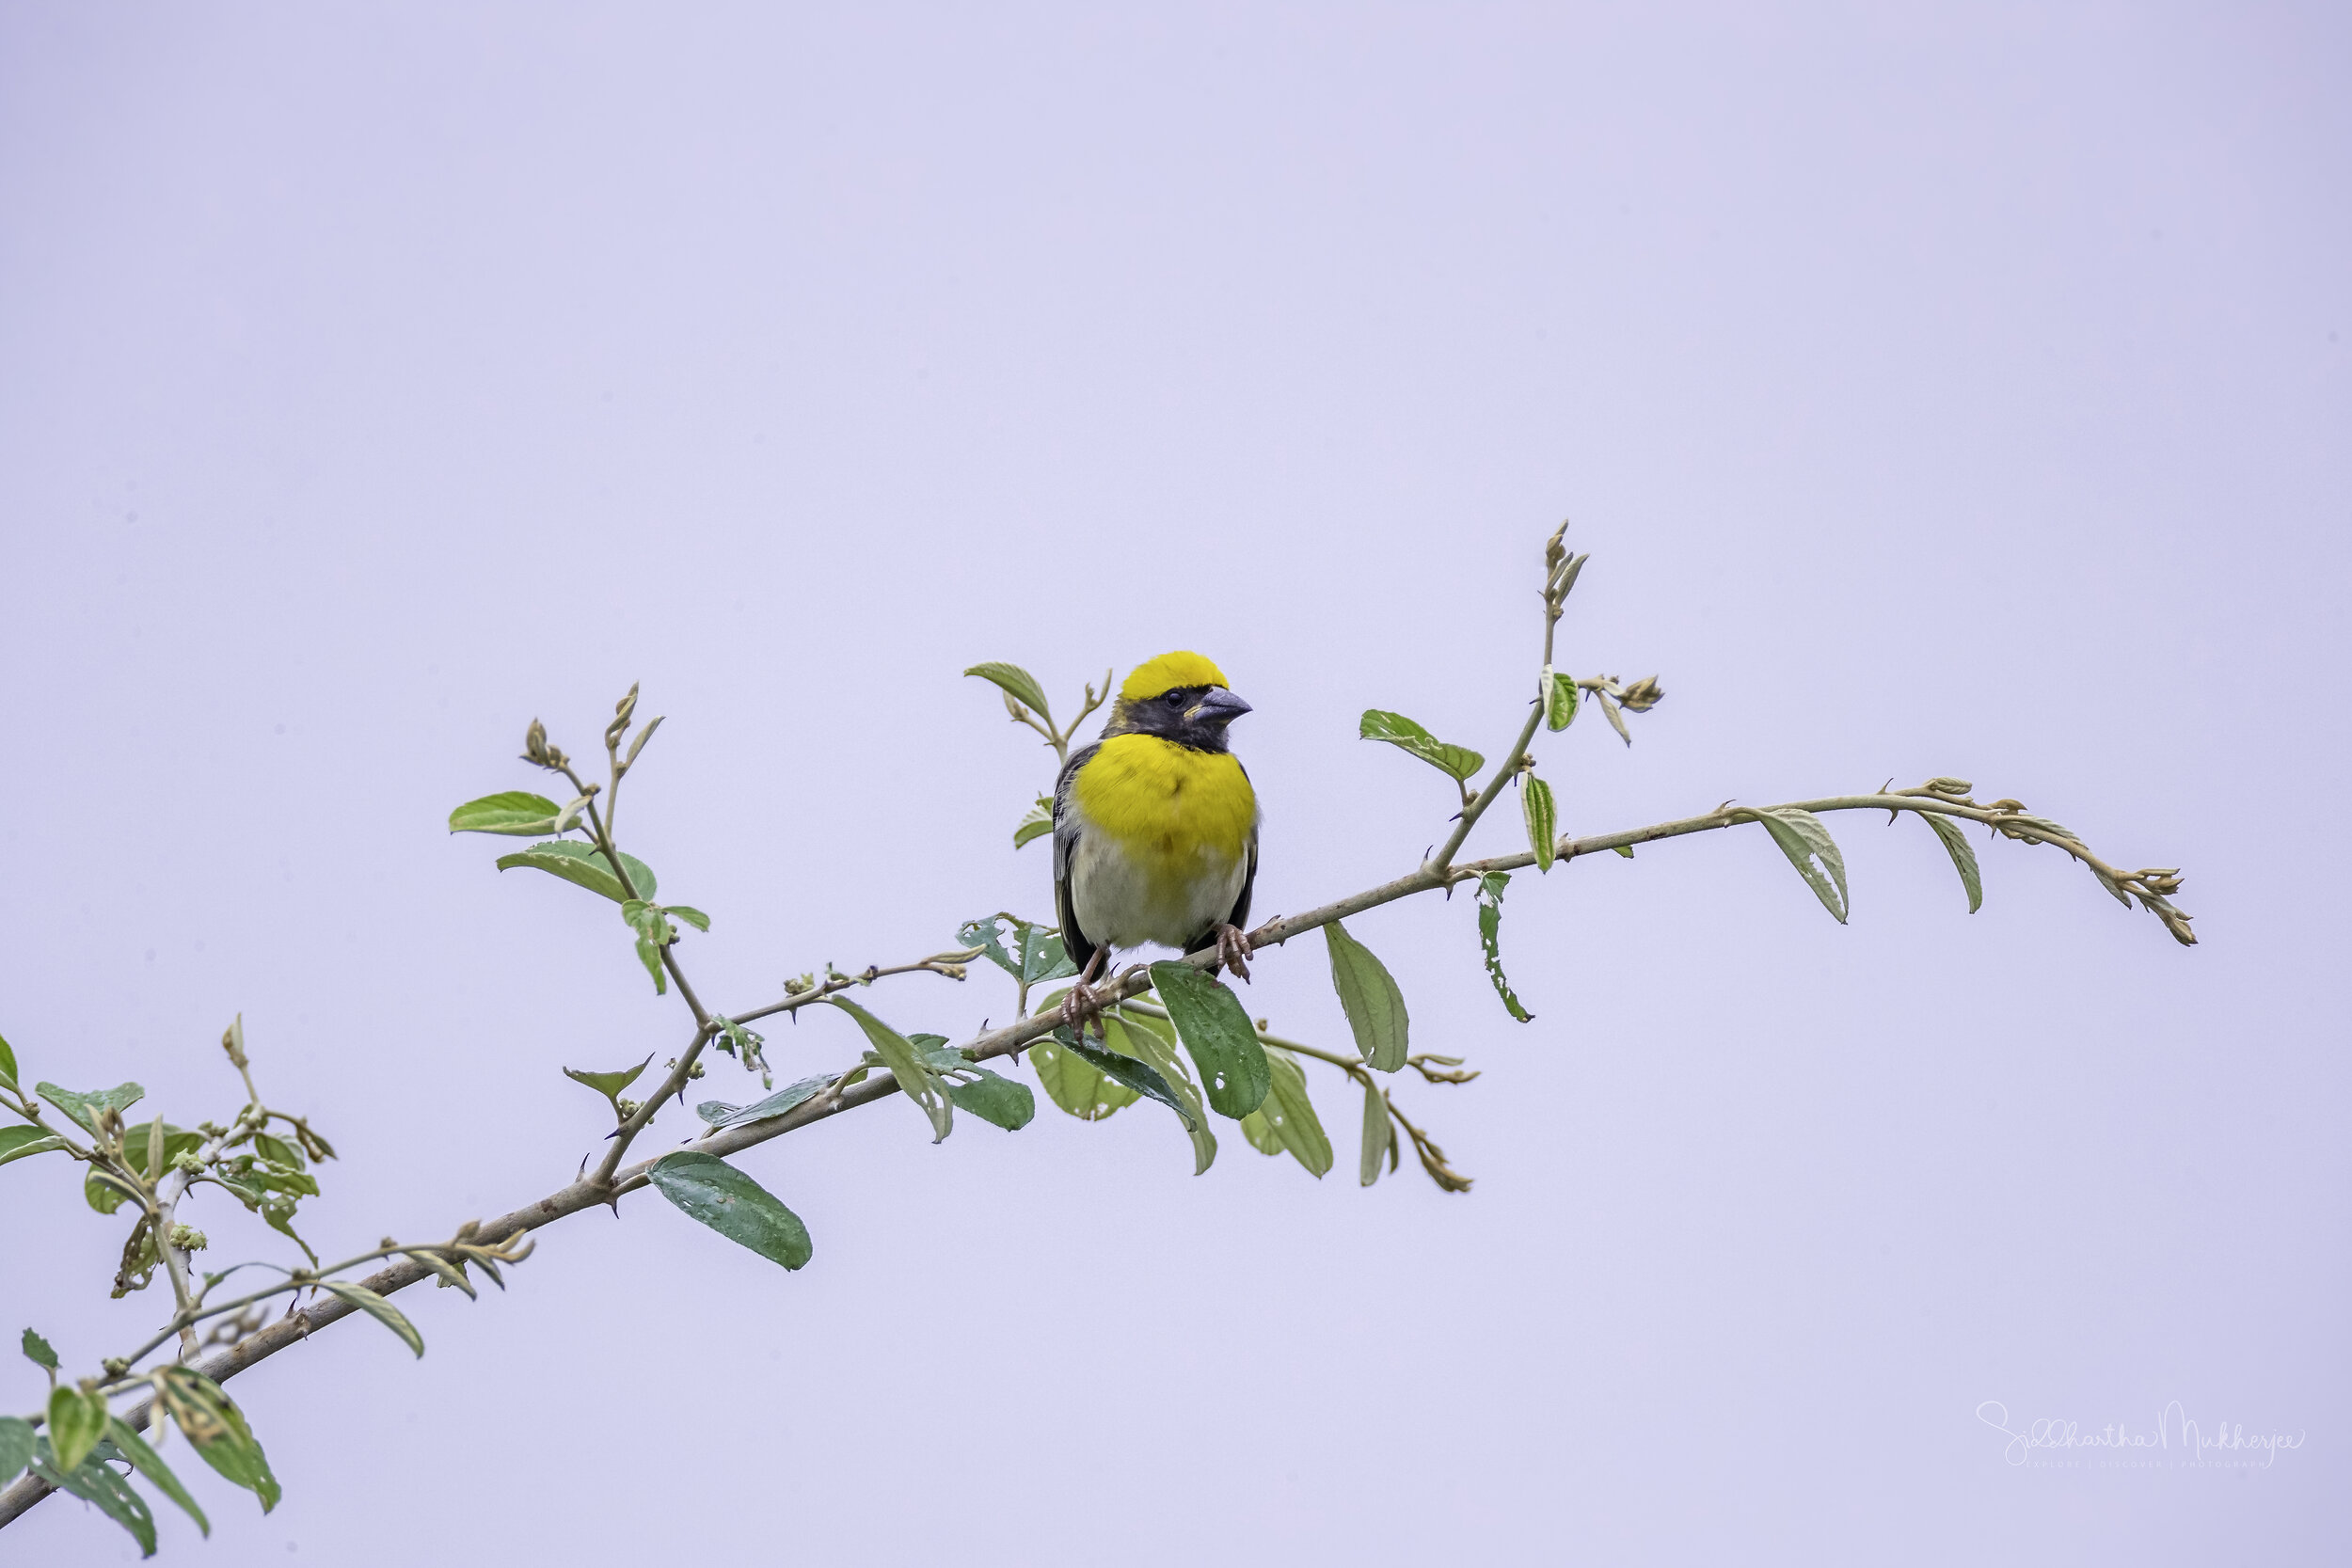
x: 1082, y: 1007
x: 1234, y: 949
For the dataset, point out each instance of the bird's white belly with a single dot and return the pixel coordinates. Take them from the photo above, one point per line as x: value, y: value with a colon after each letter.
x: 1120, y: 902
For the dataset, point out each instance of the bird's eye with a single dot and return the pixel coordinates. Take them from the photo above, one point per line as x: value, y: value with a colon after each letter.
x: 1174, y: 699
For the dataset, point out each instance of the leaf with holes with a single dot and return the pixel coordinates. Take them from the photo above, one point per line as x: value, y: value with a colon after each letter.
x: 1811, y: 850
x: 1042, y: 958
x: 1217, y: 1031
x: 96, y: 1483
x: 997, y: 1100
x: 1076, y: 1083
x: 1490, y: 888
x: 149, y: 1463
x: 654, y: 933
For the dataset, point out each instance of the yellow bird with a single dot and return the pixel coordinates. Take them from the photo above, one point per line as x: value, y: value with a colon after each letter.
x: 1155, y: 827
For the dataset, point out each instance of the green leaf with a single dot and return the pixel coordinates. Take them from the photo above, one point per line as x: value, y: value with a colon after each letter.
x: 608, y: 1084
x: 1077, y: 1084
x: 275, y: 1150
x: 448, y: 1275
x: 988, y: 935
x: 719, y: 1114
x: 1559, y: 700
x: 1490, y: 888
x: 1377, y: 1133
x: 179, y: 1140
x: 707, y: 1188
x: 516, y: 811
x: 268, y: 1175
x: 377, y: 1308
x: 654, y: 933
x: 1037, y: 957
x: 76, y: 1421
x: 151, y: 1465
x: 1955, y: 845
x: 918, y: 1082
x: 107, y: 1192
x: 83, y: 1108
x: 1042, y: 958
x: 8, y: 1064
x: 23, y: 1143
x: 213, y: 1423
x: 1397, y: 730
x: 1216, y: 1030
x: 1811, y: 850
x: 1017, y: 684
x: 1139, y: 1040
x: 583, y: 865
x: 1129, y: 1069
x: 687, y: 912
x: 1368, y: 996
x: 37, y: 1351
x: 1036, y: 823
x: 279, y: 1214
x: 16, y: 1447
x: 1625, y: 849
x: 995, y: 1099
x: 1291, y: 1114
x: 1543, y: 820
x: 95, y: 1483
x: 1261, y: 1135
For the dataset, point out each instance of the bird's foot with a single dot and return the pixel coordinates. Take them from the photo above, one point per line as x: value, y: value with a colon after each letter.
x: 1082, y: 1007
x: 1232, y: 949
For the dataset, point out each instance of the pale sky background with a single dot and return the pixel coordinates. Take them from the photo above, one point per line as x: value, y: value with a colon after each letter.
x: 1938, y: 392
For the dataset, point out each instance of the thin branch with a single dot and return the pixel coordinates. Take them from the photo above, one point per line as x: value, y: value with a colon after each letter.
x: 1504, y: 773
x: 2151, y: 887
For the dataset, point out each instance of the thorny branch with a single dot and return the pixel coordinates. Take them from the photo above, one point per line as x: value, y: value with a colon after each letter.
x: 2151, y: 888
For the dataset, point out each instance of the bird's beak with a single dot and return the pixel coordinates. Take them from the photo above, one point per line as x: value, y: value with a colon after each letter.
x: 1217, y: 707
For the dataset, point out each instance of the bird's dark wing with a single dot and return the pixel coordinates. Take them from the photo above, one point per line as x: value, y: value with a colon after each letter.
x: 1075, y: 942
x: 1240, y: 917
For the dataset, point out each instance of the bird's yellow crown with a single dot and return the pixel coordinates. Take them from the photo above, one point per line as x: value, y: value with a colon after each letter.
x: 1167, y: 672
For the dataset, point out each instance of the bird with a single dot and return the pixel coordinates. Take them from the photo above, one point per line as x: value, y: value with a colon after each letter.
x: 1155, y: 827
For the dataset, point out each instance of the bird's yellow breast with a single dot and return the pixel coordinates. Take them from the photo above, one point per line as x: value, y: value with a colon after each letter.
x: 1166, y: 803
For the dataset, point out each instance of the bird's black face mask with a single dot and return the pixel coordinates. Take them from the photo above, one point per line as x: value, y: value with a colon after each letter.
x: 1193, y: 715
